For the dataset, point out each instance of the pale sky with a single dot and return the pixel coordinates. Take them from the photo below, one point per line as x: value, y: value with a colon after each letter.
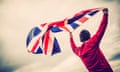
x: 17, y: 17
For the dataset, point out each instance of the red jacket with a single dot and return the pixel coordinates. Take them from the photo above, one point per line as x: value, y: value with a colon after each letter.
x: 90, y: 53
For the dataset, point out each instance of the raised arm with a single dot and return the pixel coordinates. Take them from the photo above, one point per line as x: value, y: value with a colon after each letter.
x: 72, y: 43
x: 101, y: 30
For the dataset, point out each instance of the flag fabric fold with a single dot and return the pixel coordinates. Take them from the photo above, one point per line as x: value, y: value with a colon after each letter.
x: 40, y: 40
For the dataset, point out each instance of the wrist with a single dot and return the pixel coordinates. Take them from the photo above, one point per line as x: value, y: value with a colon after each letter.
x: 105, y: 12
x: 71, y: 35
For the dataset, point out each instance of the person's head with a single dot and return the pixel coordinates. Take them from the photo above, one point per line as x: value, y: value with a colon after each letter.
x: 84, y: 35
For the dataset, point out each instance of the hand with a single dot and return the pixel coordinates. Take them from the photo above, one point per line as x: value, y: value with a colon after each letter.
x: 105, y: 10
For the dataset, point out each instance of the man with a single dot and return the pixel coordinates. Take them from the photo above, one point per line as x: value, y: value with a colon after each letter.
x: 89, y: 51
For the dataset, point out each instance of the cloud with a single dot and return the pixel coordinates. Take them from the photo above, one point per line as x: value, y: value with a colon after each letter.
x: 116, y: 57
x: 72, y: 64
x: 108, y: 0
x: 7, y: 69
x: 115, y: 64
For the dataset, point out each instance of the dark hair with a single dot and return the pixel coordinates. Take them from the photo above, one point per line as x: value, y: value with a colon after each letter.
x: 84, y: 35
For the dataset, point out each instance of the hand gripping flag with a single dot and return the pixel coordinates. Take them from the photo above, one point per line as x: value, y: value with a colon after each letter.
x: 40, y: 39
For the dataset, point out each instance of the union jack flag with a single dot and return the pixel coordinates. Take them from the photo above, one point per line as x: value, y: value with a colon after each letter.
x: 39, y: 39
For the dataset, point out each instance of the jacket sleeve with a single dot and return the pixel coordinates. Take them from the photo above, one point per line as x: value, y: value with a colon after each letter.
x: 101, y: 30
x: 73, y: 45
